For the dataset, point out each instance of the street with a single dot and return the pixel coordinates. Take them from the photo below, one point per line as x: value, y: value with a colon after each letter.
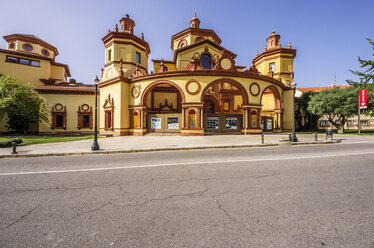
x: 287, y: 196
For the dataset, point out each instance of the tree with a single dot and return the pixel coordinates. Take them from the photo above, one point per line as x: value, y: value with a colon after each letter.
x: 22, y: 105
x: 366, y: 80
x: 305, y: 119
x: 367, y: 76
x: 337, y: 105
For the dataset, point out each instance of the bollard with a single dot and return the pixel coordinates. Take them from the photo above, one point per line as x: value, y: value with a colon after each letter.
x: 14, y: 148
x: 315, y: 136
x: 262, y: 139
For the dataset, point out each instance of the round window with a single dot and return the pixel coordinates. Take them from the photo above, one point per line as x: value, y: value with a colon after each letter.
x: 12, y: 45
x: 45, y: 52
x: 27, y: 47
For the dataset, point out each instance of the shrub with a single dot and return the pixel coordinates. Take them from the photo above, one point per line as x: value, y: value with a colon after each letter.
x: 8, y: 142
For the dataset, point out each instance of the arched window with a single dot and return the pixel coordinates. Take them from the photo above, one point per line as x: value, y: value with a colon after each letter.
x: 205, y: 61
x: 165, y: 68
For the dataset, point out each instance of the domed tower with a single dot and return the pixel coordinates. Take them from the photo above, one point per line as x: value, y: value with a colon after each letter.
x: 195, y: 22
x: 124, y: 51
x: 276, y: 61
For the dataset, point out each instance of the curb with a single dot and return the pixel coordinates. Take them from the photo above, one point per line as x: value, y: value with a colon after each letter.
x: 158, y: 149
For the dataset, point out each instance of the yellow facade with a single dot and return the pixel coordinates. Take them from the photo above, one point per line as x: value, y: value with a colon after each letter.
x: 31, y: 60
x: 201, y: 90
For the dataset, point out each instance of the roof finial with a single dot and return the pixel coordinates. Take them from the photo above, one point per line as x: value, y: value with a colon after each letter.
x: 127, y: 15
x: 273, y: 33
x: 142, y: 36
x: 116, y: 28
x: 289, y: 45
x: 257, y: 54
x: 194, y: 14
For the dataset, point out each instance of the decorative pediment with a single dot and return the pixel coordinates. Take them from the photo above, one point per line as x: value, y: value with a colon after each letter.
x: 109, y: 102
x: 137, y: 72
x: 225, y: 62
x: 193, y: 65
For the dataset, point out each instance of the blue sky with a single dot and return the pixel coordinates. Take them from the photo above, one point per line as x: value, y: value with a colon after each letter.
x: 328, y: 35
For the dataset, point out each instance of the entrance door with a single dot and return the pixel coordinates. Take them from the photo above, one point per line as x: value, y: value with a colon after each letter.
x: 223, y: 123
x: 164, y: 123
x: 267, y: 123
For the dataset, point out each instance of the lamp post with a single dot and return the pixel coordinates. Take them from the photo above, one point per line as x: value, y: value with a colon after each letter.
x: 293, y: 138
x: 95, y: 145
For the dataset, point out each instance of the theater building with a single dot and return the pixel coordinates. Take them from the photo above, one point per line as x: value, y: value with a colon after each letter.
x: 200, y: 91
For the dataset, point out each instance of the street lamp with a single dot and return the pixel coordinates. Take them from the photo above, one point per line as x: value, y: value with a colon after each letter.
x: 293, y: 138
x: 95, y: 145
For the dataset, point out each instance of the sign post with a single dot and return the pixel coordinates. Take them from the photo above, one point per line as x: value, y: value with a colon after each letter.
x: 362, y: 104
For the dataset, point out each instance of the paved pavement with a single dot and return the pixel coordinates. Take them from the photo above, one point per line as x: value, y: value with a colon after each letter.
x: 298, y: 196
x: 149, y: 142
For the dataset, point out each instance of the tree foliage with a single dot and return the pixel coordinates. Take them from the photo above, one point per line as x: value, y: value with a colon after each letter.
x: 305, y: 119
x: 337, y: 105
x: 367, y: 76
x: 22, y: 105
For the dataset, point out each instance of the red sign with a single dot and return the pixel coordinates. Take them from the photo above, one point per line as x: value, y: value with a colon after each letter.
x: 363, y: 99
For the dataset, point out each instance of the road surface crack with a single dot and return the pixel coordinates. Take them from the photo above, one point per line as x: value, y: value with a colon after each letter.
x: 20, y: 218
x: 220, y: 207
x: 90, y: 211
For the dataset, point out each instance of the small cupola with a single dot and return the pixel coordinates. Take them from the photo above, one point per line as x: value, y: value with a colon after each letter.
x: 195, y: 22
x: 273, y: 41
x: 127, y: 25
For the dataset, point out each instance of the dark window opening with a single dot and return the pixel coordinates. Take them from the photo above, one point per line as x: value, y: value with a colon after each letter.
x: 206, y: 61
x: 35, y: 63
x: 165, y: 68
x: 11, y: 59
x: 137, y: 57
x: 24, y: 61
x: 86, y: 121
x: 60, y: 121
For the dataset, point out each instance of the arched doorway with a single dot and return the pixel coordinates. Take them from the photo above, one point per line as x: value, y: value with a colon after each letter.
x: 271, y: 113
x: 223, y: 101
x: 163, y: 107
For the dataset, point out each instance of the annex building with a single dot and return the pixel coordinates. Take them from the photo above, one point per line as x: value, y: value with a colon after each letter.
x: 200, y: 91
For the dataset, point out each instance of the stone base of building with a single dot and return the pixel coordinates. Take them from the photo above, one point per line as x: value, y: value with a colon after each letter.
x: 249, y: 131
x: 192, y: 132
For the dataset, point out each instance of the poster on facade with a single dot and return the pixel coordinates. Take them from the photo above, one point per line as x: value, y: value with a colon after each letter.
x: 269, y: 124
x: 212, y: 122
x: 173, y: 123
x: 231, y: 123
x: 155, y: 123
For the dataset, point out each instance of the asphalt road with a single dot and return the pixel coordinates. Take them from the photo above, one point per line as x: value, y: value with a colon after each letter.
x: 302, y: 196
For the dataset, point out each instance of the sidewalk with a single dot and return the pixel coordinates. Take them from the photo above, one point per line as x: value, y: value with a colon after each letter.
x: 125, y: 144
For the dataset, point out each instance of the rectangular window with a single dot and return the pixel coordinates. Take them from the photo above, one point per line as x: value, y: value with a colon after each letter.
x: 272, y: 67
x: 24, y: 61
x: 86, y: 121
x: 364, y: 123
x: 137, y: 57
x: 109, y: 55
x: 35, y: 63
x: 59, y: 121
x: 11, y: 59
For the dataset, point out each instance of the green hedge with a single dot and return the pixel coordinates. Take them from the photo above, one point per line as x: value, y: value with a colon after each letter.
x: 8, y: 142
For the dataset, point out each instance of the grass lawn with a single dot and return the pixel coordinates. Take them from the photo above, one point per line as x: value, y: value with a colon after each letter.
x: 34, y: 139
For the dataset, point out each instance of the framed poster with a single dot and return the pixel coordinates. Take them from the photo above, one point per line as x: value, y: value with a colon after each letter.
x: 155, y: 123
x: 212, y: 122
x: 231, y: 123
x: 173, y: 123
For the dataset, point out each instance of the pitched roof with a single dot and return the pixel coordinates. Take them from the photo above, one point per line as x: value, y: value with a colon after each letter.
x: 30, y: 38
x: 319, y: 89
x: 200, y: 43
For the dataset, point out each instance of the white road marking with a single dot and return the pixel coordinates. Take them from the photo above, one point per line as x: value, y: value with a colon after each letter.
x: 186, y: 163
